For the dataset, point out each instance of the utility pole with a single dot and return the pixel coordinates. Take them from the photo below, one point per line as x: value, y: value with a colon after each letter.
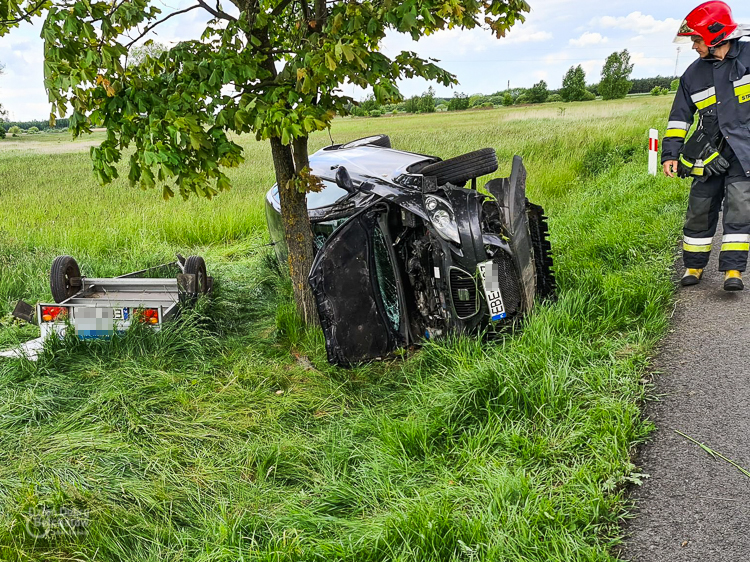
x: 677, y: 61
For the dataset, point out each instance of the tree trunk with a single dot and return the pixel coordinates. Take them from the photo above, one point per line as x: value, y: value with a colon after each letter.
x: 296, y: 221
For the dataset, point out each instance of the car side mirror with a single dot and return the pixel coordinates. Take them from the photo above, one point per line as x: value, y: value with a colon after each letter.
x: 344, y: 180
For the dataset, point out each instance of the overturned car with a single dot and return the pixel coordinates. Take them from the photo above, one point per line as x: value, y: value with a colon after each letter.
x: 406, y: 250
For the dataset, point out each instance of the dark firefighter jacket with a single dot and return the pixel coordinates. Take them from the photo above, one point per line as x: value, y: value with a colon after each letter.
x: 721, y: 88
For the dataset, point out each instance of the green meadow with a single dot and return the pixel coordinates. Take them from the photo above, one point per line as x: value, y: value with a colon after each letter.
x: 228, y: 436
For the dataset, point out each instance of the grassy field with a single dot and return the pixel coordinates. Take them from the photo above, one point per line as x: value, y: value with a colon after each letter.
x: 229, y: 437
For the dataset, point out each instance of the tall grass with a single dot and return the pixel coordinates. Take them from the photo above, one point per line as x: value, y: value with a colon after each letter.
x: 229, y: 437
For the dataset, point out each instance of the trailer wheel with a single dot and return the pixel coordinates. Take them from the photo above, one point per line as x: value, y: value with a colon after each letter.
x: 463, y: 168
x: 382, y: 141
x: 64, y: 269
x: 195, y: 265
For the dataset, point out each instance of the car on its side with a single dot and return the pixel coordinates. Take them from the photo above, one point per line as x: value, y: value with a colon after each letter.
x: 407, y: 248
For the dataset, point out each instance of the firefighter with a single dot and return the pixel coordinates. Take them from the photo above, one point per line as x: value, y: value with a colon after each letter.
x: 717, y: 155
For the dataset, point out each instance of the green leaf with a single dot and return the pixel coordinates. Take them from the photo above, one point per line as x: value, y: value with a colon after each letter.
x: 195, y: 141
x: 240, y: 119
x: 348, y: 52
x: 147, y: 178
x: 215, y: 78
x: 223, y: 183
x: 381, y: 94
x: 330, y: 62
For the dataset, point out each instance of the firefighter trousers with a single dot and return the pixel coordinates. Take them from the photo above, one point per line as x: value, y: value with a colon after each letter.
x: 706, y: 197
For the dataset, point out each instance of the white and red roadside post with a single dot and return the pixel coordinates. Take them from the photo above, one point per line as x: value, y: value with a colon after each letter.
x: 653, y: 151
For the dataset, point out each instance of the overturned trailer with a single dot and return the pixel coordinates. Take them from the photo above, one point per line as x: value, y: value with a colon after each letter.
x: 97, y: 308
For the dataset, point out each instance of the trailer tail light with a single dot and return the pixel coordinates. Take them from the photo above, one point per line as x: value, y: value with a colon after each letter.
x: 148, y: 315
x: 52, y: 313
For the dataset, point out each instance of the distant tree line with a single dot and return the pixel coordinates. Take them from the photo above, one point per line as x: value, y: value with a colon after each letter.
x: 615, y: 83
x: 646, y: 85
x: 40, y: 125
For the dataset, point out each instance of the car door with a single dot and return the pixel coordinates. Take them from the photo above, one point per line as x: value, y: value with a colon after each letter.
x: 357, y: 290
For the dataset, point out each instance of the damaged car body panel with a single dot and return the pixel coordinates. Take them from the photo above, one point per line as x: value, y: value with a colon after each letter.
x: 510, y: 197
x: 355, y: 285
x: 405, y: 252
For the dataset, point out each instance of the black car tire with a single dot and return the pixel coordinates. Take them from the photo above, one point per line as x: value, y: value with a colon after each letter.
x: 196, y: 265
x: 539, y: 230
x: 64, y: 269
x: 463, y: 168
x: 376, y: 140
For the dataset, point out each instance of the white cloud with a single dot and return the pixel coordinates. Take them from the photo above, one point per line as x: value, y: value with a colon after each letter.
x: 529, y: 37
x: 593, y: 69
x: 639, y: 22
x: 653, y: 65
x: 588, y: 39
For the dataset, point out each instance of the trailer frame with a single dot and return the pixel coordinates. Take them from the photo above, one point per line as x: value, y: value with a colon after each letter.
x: 104, y: 306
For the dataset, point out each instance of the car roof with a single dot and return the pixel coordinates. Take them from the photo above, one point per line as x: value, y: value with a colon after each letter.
x: 364, y: 161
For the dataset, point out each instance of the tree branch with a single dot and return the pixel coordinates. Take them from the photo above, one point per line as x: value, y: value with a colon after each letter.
x: 305, y: 9
x: 321, y: 11
x: 26, y: 16
x: 216, y: 12
x: 153, y: 25
x: 115, y: 6
x: 280, y: 8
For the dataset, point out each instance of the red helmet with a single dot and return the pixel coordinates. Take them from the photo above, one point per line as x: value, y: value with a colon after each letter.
x: 712, y: 21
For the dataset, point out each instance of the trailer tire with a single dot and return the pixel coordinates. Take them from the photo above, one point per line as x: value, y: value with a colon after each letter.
x: 463, y: 168
x: 196, y: 265
x: 64, y: 269
x: 382, y: 141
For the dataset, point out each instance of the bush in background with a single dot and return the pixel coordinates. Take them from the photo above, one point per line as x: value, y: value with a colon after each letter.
x: 616, y: 82
x: 574, y: 84
x: 538, y: 92
x: 458, y: 102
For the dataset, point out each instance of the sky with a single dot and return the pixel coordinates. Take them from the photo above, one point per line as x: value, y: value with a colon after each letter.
x: 557, y: 34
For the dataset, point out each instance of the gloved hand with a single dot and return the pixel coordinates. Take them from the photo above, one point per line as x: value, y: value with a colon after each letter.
x: 684, y: 167
x: 700, y: 158
x: 713, y: 162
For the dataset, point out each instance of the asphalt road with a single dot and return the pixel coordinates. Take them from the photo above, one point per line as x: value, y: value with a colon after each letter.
x: 693, y: 507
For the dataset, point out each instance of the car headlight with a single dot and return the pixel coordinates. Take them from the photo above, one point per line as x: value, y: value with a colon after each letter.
x: 441, y: 217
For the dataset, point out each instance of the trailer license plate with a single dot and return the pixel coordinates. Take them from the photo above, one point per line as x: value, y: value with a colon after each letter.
x: 490, y: 274
x: 100, y: 323
x: 94, y: 322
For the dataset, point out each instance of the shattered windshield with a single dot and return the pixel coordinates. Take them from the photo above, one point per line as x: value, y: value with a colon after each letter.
x: 329, y: 195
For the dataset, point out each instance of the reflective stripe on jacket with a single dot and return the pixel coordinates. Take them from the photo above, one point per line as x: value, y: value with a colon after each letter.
x: 712, y: 87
